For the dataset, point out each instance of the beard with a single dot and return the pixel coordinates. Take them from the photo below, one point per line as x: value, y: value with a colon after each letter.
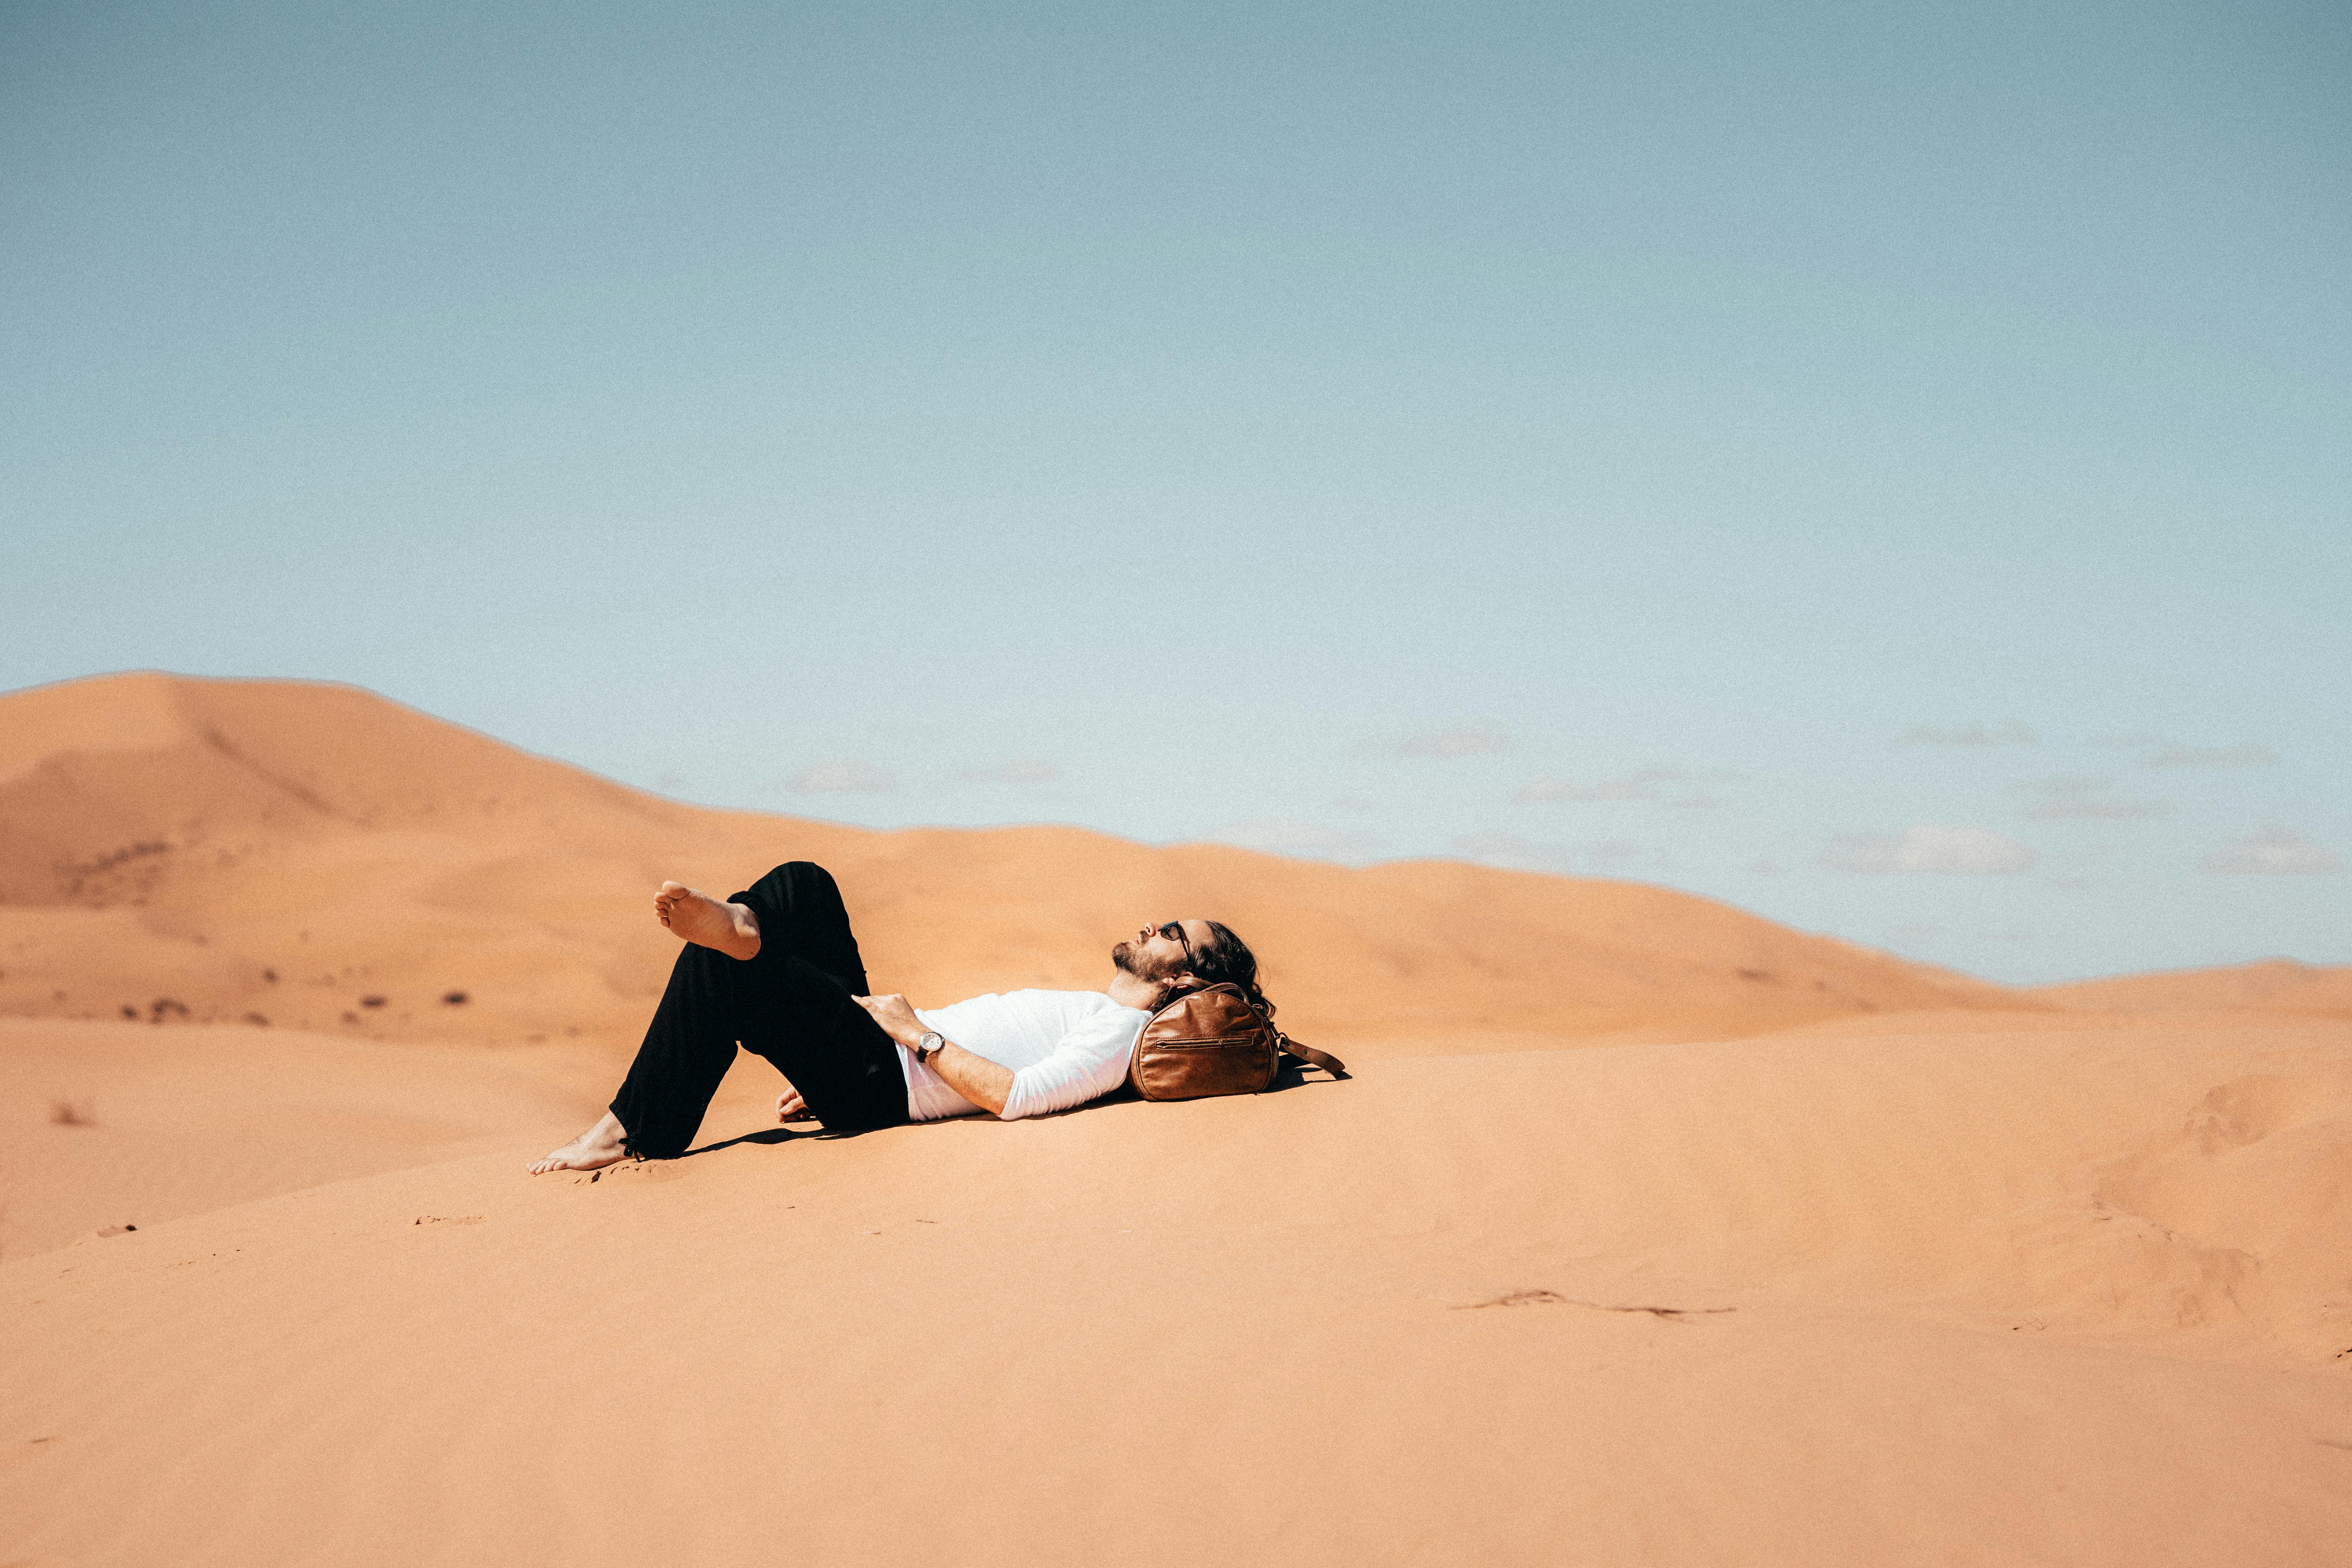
x: 1124, y: 956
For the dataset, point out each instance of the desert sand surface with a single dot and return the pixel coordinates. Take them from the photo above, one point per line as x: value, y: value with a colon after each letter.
x: 113, y: 1124
x: 1645, y: 1231
x: 2273, y: 985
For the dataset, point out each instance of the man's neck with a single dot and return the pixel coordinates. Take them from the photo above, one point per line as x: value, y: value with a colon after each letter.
x: 1133, y: 991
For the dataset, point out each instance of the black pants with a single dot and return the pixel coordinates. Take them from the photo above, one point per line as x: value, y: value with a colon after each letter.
x: 790, y: 1003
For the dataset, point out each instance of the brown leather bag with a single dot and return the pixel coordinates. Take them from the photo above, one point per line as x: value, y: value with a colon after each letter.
x: 1212, y: 1041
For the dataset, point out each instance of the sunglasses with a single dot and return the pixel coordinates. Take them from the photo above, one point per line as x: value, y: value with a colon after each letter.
x: 1174, y: 931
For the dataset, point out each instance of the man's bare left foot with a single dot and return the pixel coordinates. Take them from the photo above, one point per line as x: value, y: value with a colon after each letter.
x: 731, y: 929
x: 602, y: 1145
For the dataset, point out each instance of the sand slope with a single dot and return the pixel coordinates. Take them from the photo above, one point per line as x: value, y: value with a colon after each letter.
x: 114, y: 1124
x: 2066, y: 1297
x: 284, y: 851
x: 2276, y: 985
x: 1647, y: 1232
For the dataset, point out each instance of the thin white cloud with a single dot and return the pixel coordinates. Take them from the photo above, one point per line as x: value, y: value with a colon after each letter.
x: 1613, y: 855
x: 1643, y: 784
x: 2083, y: 798
x: 1671, y: 786
x: 846, y: 776
x: 2170, y: 755
x: 1927, y: 846
x: 1013, y: 770
x: 1292, y: 835
x: 1460, y: 740
x: 2011, y: 733
x: 1512, y: 852
x: 2275, y: 849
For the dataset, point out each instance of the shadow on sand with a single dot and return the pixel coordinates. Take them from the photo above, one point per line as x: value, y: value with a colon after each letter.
x: 1291, y: 1076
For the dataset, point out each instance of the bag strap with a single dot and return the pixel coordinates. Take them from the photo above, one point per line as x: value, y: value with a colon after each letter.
x: 1310, y: 1055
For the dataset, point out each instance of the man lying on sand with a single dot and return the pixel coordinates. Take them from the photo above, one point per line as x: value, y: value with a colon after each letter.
x: 777, y: 968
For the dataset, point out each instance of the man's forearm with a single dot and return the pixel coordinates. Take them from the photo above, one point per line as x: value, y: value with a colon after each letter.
x: 985, y: 1083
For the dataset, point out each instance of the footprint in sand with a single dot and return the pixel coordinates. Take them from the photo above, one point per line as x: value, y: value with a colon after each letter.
x: 633, y: 1171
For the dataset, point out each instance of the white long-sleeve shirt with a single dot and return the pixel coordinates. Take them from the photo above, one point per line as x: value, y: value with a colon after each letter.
x: 1065, y: 1047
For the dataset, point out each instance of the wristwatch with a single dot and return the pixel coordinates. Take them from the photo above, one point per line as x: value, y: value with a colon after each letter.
x: 928, y: 1045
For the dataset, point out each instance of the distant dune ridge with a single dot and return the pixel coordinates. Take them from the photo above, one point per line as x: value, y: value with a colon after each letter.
x: 2274, y: 984
x: 1646, y: 1231
x: 181, y: 839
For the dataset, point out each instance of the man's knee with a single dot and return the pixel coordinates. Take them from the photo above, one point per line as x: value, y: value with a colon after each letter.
x: 809, y: 874
x: 796, y: 881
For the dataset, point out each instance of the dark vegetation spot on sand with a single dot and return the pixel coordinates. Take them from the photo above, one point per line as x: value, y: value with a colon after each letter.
x: 372, y: 1000
x: 72, y: 1113
x: 454, y: 999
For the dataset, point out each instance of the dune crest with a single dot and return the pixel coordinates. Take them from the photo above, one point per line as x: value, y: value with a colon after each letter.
x: 316, y: 856
x: 2273, y: 984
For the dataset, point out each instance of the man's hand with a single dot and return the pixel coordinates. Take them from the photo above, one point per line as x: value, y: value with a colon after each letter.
x: 897, y: 1018
x: 983, y: 1082
x: 791, y: 1107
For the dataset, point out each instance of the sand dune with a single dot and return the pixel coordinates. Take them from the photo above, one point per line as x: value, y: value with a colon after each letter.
x: 2061, y: 1296
x: 2276, y: 985
x: 115, y: 1124
x: 175, y: 844
x: 1647, y: 1232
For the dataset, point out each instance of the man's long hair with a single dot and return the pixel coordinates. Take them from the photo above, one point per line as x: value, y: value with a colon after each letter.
x: 1227, y: 960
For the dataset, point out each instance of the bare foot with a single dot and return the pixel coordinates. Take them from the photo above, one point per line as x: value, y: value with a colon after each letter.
x: 731, y: 929
x: 600, y: 1146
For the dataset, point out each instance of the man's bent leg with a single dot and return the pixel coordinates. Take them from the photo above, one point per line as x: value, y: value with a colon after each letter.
x: 712, y: 998
x: 801, y: 916
x: 687, y: 1049
x: 844, y: 1064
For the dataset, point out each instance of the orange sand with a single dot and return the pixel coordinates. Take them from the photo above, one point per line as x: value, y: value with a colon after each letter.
x: 1945, y: 1273
x: 2274, y: 986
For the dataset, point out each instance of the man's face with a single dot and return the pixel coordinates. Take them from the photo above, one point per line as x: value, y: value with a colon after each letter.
x: 1160, y: 950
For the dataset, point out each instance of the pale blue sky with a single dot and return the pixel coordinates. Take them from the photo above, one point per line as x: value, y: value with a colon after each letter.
x: 1589, y: 438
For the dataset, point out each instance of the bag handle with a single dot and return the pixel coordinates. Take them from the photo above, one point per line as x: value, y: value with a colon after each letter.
x: 1309, y: 1055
